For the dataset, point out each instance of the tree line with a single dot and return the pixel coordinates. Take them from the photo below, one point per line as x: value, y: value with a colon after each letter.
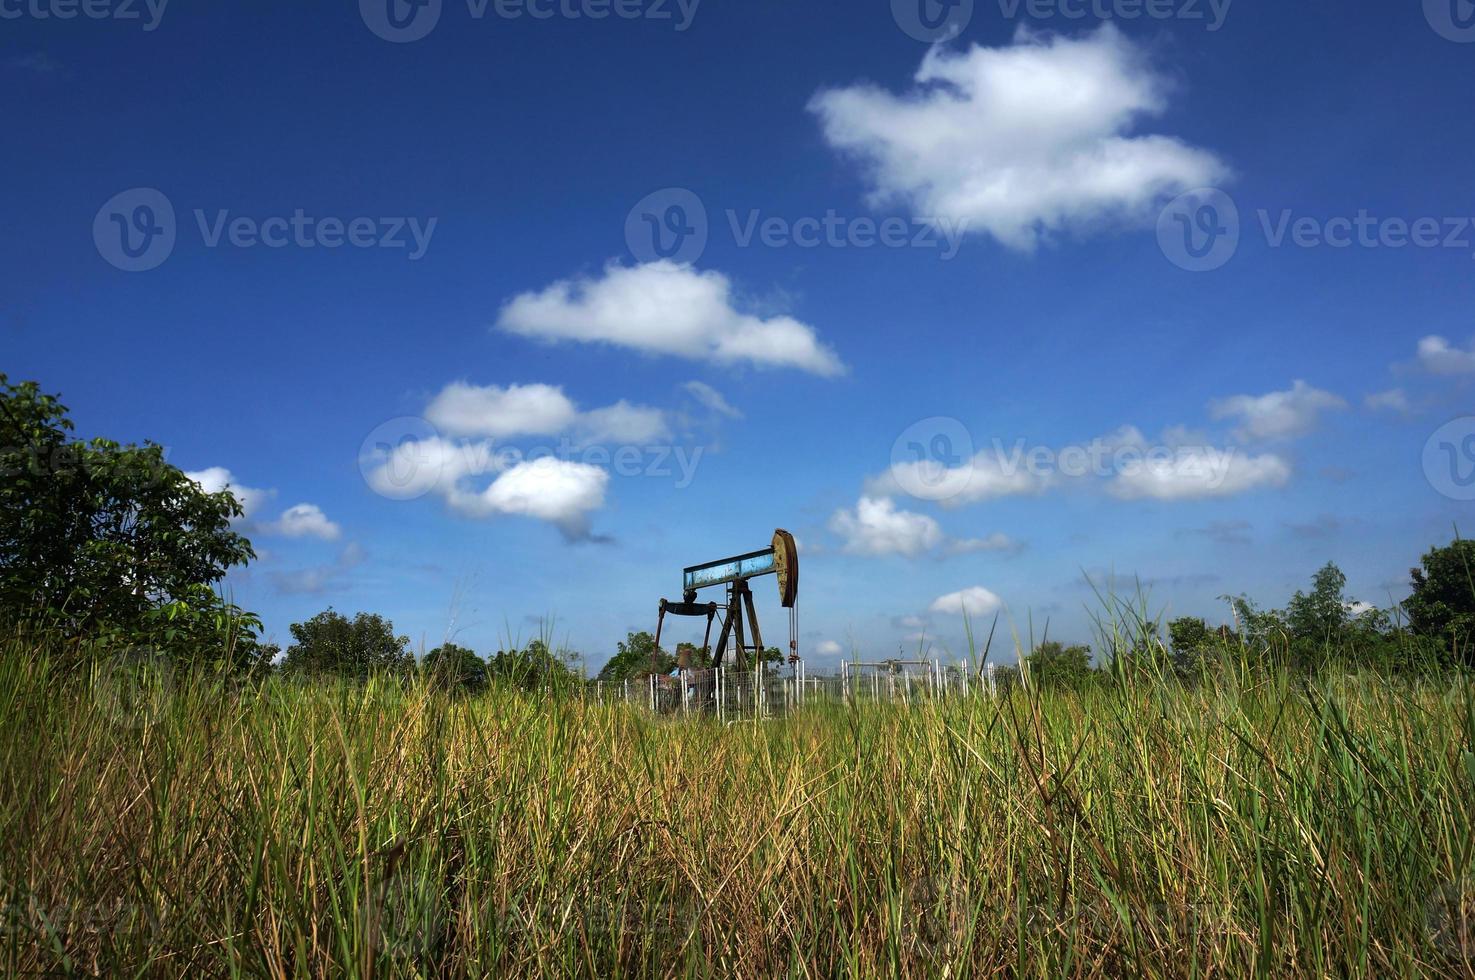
x: 1319, y: 628
x: 107, y: 546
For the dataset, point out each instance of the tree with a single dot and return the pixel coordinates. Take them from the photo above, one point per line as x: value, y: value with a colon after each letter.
x: 534, y: 668
x: 99, y: 539
x: 637, y: 656
x: 1055, y: 665
x: 1442, y: 606
x: 331, y: 643
x: 1190, y: 637
x: 455, y: 668
x: 1320, y: 617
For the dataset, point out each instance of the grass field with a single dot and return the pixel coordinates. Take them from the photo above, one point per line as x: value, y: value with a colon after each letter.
x: 1264, y: 827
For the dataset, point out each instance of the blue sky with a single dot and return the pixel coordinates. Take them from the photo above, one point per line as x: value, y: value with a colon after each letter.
x: 1225, y: 252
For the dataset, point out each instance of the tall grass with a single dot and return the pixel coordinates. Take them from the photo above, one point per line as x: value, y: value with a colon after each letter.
x: 1262, y: 825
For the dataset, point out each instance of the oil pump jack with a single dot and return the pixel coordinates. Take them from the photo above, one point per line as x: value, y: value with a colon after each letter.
x: 780, y: 559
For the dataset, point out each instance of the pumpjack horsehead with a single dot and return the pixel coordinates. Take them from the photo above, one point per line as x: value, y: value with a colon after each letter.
x: 781, y: 559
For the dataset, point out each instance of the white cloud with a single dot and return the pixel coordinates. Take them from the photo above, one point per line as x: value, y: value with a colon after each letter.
x: 303, y: 521
x: 711, y: 398
x: 1278, y: 414
x: 1437, y: 357
x: 214, y: 479
x: 562, y: 492
x: 974, y: 601
x: 1193, y: 473
x: 624, y: 423
x: 1021, y: 141
x: 555, y: 490
x: 876, y: 527
x: 1392, y: 400
x: 828, y: 648
x: 984, y: 477
x: 297, y: 521
x: 415, y: 467
x: 463, y: 409
x: 666, y: 308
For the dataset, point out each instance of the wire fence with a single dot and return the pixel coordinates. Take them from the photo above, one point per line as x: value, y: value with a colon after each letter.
x: 726, y: 692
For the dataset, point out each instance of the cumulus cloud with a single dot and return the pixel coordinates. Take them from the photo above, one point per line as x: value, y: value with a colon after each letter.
x: 1278, y: 414
x: 624, y: 423
x: 986, y: 476
x: 414, y: 467
x: 876, y: 527
x: 214, y: 479
x: 303, y: 521
x: 666, y: 308
x: 561, y: 492
x: 463, y: 409
x: 1021, y: 141
x: 828, y: 648
x: 1194, y: 473
x: 972, y: 601
x: 711, y: 398
x: 298, y: 521
x: 1438, y: 356
x: 554, y: 490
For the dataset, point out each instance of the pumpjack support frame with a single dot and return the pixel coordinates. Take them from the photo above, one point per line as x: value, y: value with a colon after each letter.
x: 781, y: 559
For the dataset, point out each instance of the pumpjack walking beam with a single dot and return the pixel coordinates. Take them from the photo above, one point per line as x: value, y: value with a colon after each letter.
x: 780, y: 559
